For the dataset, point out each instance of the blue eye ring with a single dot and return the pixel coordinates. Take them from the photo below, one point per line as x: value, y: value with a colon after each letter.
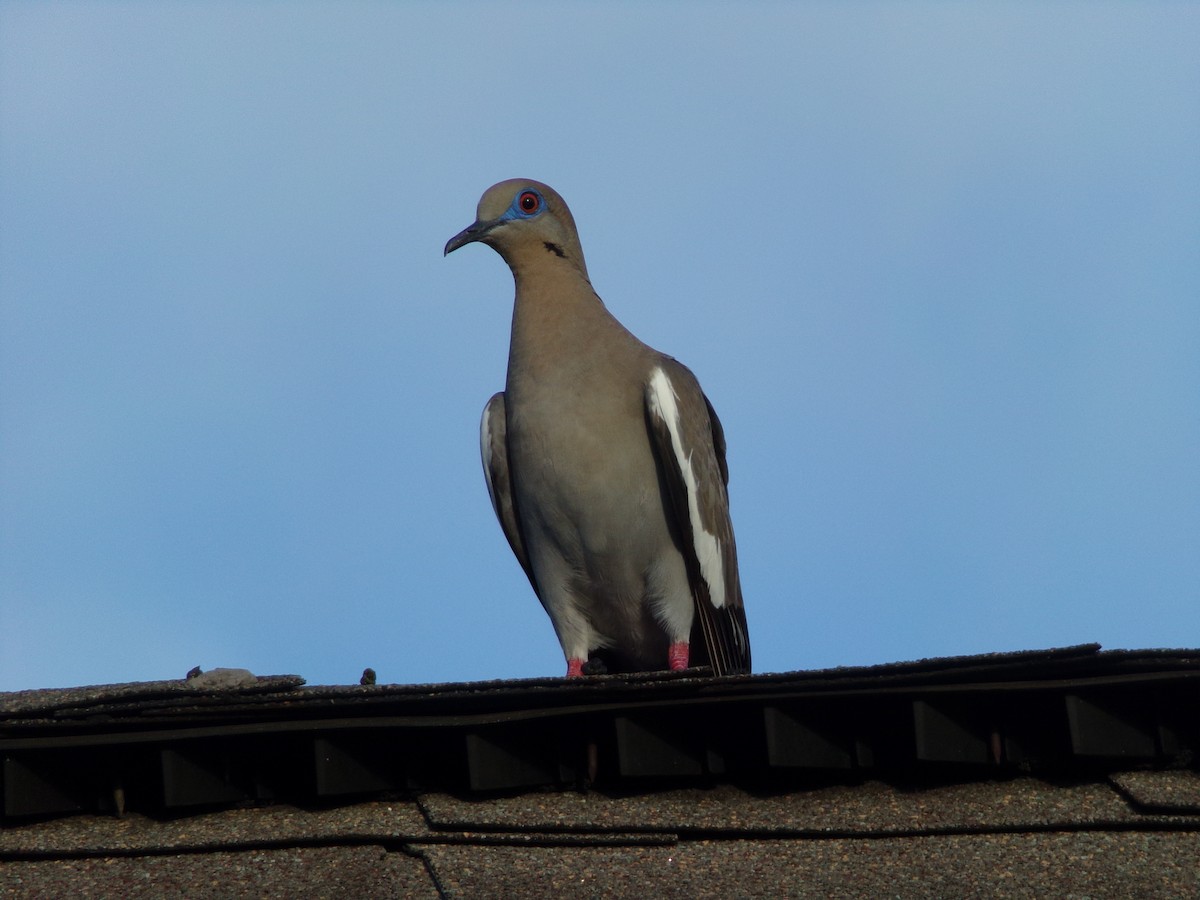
x: 528, y: 203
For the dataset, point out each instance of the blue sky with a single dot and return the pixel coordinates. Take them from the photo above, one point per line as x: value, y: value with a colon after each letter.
x: 936, y: 265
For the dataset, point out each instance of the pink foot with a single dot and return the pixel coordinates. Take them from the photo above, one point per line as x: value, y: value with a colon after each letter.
x: 677, y: 655
x: 574, y: 668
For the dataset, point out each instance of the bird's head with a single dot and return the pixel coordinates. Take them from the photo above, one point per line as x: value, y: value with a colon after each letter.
x: 523, y: 220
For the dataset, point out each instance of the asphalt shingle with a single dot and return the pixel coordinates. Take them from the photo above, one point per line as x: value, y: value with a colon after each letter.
x: 1176, y: 791
x: 873, y: 808
x: 254, y: 827
x: 1053, y: 864
x: 1065, y: 773
x: 331, y: 872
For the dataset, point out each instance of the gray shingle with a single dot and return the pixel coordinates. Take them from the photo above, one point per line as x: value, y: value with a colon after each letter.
x: 335, y: 872
x: 1061, y: 865
x: 873, y: 808
x: 1000, y: 775
x: 1173, y: 791
x: 255, y: 827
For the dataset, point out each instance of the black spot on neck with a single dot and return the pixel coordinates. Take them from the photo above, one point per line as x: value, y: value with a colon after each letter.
x: 555, y: 249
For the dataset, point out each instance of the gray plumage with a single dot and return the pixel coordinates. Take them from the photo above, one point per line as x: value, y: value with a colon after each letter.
x: 605, y: 463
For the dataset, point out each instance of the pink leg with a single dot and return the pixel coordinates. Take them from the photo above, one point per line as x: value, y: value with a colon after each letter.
x: 677, y: 655
x: 574, y: 668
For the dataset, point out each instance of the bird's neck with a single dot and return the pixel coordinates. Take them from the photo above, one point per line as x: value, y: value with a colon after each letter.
x: 557, y: 319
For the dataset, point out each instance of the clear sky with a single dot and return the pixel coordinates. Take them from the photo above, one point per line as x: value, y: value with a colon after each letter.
x: 936, y: 265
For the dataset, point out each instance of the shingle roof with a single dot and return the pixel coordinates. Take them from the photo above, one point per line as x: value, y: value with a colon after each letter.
x: 854, y: 782
x: 1020, y: 837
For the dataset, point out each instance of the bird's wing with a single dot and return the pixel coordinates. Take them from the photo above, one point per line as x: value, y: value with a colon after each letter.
x: 690, y: 445
x: 493, y: 447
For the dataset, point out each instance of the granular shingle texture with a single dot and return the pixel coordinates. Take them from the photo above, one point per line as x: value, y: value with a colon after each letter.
x: 873, y: 808
x: 255, y: 827
x: 1060, y: 865
x: 1066, y: 773
x: 334, y: 872
x: 1166, y: 792
x: 1016, y: 838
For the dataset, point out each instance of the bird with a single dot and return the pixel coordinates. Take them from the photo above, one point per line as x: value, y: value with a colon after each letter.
x: 605, y: 463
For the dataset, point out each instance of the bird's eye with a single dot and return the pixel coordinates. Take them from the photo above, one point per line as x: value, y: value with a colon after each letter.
x: 529, y: 202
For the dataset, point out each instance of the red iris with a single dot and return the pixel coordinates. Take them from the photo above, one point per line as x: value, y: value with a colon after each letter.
x: 529, y: 202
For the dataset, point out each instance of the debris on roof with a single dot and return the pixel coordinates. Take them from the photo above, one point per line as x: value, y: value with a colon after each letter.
x: 1004, y: 773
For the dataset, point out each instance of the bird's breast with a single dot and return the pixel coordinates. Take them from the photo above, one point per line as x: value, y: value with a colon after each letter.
x: 582, y: 465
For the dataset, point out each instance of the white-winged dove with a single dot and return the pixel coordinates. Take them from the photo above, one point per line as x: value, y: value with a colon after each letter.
x: 605, y: 463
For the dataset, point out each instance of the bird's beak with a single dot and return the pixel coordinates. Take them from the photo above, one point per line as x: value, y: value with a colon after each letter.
x: 473, y: 232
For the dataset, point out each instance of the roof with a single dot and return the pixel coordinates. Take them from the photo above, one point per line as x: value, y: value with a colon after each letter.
x: 1019, y: 774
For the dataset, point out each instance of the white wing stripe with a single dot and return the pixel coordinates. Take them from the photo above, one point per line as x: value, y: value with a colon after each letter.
x: 485, y: 451
x: 664, y: 403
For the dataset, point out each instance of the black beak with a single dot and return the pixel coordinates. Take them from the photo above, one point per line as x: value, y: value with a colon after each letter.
x: 473, y: 232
